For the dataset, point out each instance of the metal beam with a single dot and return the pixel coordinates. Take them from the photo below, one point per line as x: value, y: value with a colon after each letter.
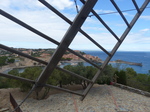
x: 96, y: 43
x: 85, y: 59
x: 22, y: 54
x: 123, y: 17
x: 99, y: 72
x: 107, y: 27
x: 74, y: 74
x: 70, y: 22
x: 66, y: 41
x: 136, y: 6
x: 101, y: 20
x: 27, y: 26
x: 17, y: 78
x: 62, y: 89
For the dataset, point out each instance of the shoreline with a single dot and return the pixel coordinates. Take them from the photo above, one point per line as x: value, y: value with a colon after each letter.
x: 5, y: 68
x: 116, y: 61
x: 126, y: 62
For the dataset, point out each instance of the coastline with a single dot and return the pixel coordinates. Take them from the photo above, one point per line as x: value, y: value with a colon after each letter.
x: 5, y: 68
x: 116, y: 61
x: 126, y: 62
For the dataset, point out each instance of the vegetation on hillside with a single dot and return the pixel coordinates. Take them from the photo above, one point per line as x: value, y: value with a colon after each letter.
x: 58, y: 78
x: 4, y: 60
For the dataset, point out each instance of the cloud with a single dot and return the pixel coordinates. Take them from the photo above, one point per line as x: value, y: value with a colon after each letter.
x: 34, y: 4
x: 145, y: 30
x: 145, y: 17
x: 104, y: 11
x: 137, y: 38
x: 61, y: 4
x: 5, y: 3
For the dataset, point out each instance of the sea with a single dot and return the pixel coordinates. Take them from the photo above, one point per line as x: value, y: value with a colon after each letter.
x: 130, y: 56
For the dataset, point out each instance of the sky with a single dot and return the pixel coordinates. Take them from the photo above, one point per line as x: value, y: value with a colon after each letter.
x: 35, y: 14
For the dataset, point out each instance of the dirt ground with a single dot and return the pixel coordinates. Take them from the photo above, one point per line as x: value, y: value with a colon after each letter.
x: 18, y: 95
x: 101, y: 98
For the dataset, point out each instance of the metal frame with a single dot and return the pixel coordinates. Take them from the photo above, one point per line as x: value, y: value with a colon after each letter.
x: 117, y: 45
x: 66, y: 41
x: 75, y: 27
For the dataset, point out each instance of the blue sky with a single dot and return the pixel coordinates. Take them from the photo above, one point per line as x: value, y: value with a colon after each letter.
x: 38, y: 16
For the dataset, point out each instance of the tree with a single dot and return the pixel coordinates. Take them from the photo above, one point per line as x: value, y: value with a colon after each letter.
x: 142, y: 79
x: 12, y: 82
x: 72, y: 79
x: 4, y: 83
x: 148, y: 82
x: 3, y: 60
x: 14, y: 72
x: 29, y: 73
x: 121, y: 77
x: 130, y: 72
x: 85, y: 71
x: 107, y: 75
x: 11, y: 60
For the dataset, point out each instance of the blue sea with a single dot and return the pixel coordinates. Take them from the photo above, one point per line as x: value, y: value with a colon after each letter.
x: 137, y: 57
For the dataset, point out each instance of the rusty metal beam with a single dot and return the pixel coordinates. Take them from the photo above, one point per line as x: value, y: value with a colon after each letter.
x: 14, y: 103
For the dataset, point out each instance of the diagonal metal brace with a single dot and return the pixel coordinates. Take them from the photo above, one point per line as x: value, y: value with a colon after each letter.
x: 66, y: 41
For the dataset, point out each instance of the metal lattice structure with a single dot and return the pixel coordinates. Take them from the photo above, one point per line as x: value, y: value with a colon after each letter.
x: 74, y: 28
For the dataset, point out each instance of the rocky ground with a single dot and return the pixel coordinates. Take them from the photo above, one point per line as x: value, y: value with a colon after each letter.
x: 101, y: 98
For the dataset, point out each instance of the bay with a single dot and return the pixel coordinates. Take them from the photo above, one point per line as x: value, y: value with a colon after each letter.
x: 137, y: 57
